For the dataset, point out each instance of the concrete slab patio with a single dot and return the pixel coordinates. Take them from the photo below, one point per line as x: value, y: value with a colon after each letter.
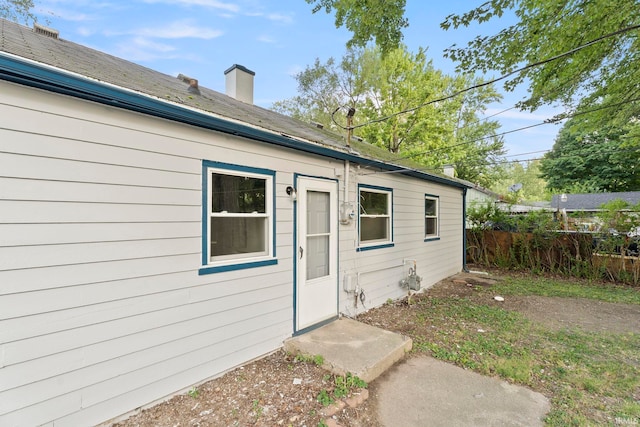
x: 425, y: 392
x: 350, y: 346
x: 418, y: 391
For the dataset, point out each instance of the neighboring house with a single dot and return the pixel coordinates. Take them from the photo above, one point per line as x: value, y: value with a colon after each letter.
x: 155, y: 234
x: 478, y: 196
x: 581, y: 210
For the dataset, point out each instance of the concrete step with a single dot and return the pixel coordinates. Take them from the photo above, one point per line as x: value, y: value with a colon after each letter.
x: 350, y: 346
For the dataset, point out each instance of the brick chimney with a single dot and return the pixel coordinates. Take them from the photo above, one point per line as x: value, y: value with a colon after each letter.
x: 239, y: 83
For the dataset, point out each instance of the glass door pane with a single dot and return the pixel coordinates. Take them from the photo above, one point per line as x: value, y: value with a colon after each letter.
x: 318, y: 221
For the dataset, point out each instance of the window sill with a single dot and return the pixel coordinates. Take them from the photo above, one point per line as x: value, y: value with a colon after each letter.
x: 232, y: 267
x: 431, y: 239
x: 370, y: 248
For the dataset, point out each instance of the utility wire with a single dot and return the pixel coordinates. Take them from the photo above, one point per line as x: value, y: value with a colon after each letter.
x: 501, y: 162
x: 552, y: 120
x: 489, y: 82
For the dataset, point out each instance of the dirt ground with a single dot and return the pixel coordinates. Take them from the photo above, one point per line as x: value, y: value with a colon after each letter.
x: 279, y: 390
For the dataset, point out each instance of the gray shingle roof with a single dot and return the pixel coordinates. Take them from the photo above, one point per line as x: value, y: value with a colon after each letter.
x: 593, y: 201
x: 25, y: 42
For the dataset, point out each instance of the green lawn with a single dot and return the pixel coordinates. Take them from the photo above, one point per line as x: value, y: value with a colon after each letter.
x: 591, y: 378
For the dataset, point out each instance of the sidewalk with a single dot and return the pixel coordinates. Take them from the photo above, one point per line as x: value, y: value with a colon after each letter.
x: 425, y: 392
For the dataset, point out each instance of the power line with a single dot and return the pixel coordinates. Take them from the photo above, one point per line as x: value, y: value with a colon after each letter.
x: 530, y: 152
x: 477, y: 86
x: 553, y: 120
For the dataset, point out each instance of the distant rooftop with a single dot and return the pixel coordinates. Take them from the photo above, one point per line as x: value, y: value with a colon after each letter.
x: 593, y: 201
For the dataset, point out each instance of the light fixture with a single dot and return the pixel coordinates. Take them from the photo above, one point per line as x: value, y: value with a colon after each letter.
x: 292, y: 192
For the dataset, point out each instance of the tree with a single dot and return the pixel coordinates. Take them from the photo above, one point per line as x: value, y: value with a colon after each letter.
x: 593, y: 161
x: 533, y: 185
x: 604, y: 74
x: 378, y: 20
x: 323, y: 88
x: 17, y: 10
x: 385, y: 91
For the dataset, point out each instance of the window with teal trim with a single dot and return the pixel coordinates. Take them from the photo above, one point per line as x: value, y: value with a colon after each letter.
x: 431, y: 213
x: 238, y: 217
x: 375, y: 216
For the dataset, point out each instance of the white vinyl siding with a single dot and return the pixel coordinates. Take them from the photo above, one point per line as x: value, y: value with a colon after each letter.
x: 378, y: 272
x: 102, y: 307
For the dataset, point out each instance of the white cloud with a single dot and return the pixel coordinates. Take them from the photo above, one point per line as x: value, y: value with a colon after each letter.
x: 278, y: 17
x: 514, y: 115
x: 141, y: 42
x: 175, y: 30
x: 213, y: 4
x: 142, y: 49
x: 67, y: 15
x: 266, y: 39
x: 85, y: 31
x: 294, y: 70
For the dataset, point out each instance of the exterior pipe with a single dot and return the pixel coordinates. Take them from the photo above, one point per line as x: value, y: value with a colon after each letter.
x: 346, y: 181
x: 464, y: 230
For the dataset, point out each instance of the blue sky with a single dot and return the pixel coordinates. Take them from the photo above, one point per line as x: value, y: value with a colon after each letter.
x: 274, y: 38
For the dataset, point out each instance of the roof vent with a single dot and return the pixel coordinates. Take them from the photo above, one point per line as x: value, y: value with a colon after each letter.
x: 318, y: 125
x: 193, y: 84
x: 45, y: 31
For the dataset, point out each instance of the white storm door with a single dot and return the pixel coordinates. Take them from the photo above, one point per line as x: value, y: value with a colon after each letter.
x: 317, y: 252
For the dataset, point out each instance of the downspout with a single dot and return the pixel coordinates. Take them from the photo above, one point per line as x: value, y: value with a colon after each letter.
x: 346, y: 182
x: 464, y: 230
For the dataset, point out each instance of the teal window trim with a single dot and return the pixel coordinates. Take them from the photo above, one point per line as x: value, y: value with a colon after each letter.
x: 364, y: 246
x: 209, y: 267
x: 433, y: 236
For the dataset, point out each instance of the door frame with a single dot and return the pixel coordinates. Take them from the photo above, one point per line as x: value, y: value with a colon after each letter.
x: 296, y: 219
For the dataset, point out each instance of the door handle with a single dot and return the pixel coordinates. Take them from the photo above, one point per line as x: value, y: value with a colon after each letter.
x: 301, y: 251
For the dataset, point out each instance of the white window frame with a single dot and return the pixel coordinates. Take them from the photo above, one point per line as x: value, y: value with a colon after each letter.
x: 436, y: 235
x: 377, y: 243
x: 211, y: 264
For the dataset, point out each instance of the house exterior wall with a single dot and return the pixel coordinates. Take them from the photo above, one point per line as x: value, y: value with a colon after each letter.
x: 102, y: 307
x: 378, y: 272
x: 477, y: 198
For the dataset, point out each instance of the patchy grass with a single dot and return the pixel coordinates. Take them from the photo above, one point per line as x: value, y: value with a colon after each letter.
x: 553, y: 287
x: 591, y: 378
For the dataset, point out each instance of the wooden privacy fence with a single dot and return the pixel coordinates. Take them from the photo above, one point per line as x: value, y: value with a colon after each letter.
x: 571, y: 254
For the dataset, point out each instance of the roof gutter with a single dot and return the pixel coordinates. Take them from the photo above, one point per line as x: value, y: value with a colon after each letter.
x: 33, y: 74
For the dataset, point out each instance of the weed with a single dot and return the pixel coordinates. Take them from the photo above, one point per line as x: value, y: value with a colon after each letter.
x: 317, y: 359
x: 257, y: 408
x: 193, y: 393
x: 321, y: 423
x: 325, y: 398
x: 343, y: 386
